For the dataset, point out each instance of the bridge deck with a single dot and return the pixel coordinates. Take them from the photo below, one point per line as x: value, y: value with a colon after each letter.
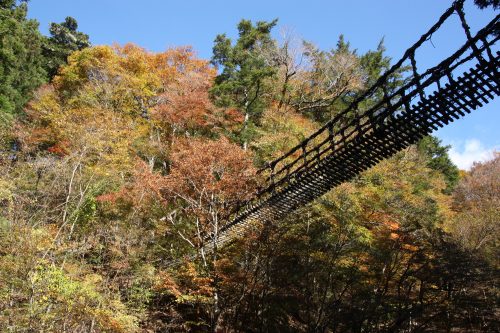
x: 342, y: 149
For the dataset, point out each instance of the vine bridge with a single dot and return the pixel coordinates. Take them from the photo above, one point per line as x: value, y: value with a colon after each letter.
x: 355, y: 140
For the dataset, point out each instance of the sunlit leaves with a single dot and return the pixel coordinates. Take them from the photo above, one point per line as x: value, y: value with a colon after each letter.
x: 477, y: 202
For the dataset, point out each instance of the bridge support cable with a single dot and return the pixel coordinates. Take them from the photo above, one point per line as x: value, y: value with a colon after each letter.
x: 342, y: 149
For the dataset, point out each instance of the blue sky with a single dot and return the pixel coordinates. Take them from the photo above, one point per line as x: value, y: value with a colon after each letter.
x: 158, y: 24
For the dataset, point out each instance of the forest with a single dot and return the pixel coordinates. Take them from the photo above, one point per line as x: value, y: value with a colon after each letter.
x: 117, y: 162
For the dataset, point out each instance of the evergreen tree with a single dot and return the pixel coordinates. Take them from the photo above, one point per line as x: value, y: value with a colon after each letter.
x: 64, y: 40
x: 375, y: 64
x: 244, y: 72
x: 21, y: 60
x: 439, y: 160
x: 10, y: 4
x: 485, y: 3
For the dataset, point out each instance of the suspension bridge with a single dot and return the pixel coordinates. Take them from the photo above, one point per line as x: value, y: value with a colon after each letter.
x: 355, y: 139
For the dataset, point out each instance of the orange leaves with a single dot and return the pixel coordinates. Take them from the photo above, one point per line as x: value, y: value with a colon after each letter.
x: 185, y: 104
x: 117, y: 103
x: 410, y: 248
x: 393, y: 236
x: 385, y: 220
x: 110, y: 105
x: 60, y: 148
x: 215, y: 171
x: 476, y: 201
x: 166, y: 284
x: 392, y: 225
x: 479, y: 187
x: 144, y: 188
x: 39, y: 131
x: 384, y: 225
x: 192, y: 283
x: 178, y: 61
x: 206, y: 179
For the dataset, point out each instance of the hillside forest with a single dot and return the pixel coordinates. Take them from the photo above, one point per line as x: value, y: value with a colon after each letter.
x: 117, y: 162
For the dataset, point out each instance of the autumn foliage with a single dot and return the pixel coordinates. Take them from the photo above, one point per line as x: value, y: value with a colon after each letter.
x: 116, y: 181
x: 210, y: 171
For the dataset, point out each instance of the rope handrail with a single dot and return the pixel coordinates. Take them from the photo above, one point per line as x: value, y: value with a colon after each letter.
x: 380, y: 81
x: 414, y: 81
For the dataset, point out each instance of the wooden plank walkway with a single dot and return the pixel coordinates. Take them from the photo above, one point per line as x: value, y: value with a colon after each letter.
x: 346, y: 145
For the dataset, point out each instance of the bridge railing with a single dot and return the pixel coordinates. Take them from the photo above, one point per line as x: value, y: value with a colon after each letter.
x: 343, y: 129
x: 356, y: 139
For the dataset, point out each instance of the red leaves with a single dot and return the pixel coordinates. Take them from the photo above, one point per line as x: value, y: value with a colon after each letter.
x: 60, y: 148
x: 185, y: 103
x: 145, y: 187
x: 210, y: 175
x: 206, y: 177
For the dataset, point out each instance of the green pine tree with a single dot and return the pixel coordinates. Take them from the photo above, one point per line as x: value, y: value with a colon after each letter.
x: 21, y: 60
x: 241, y: 83
x: 64, y: 40
x: 439, y: 160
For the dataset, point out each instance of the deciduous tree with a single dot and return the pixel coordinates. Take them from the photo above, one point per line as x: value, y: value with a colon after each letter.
x: 477, y: 201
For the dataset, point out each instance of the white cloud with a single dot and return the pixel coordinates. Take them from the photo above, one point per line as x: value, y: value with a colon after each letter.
x: 473, y: 151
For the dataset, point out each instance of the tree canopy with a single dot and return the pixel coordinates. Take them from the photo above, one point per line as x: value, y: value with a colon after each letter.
x: 120, y: 167
x: 21, y: 59
x: 64, y: 39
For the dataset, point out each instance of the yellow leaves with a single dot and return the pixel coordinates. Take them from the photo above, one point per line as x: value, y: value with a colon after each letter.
x: 6, y: 188
x: 320, y: 257
x: 404, y: 189
x: 77, y: 298
x: 103, y: 137
x: 193, y: 285
x: 45, y: 101
x: 104, y: 106
x: 125, y: 324
x: 85, y: 65
x: 280, y: 131
x: 115, y: 320
x: 41, y: 130
x: 71, y: 294
x: 22, y: 240
x: 121, y: 77
x: 409, y: 247
x: 42, y: 238
x: 346, y: 262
